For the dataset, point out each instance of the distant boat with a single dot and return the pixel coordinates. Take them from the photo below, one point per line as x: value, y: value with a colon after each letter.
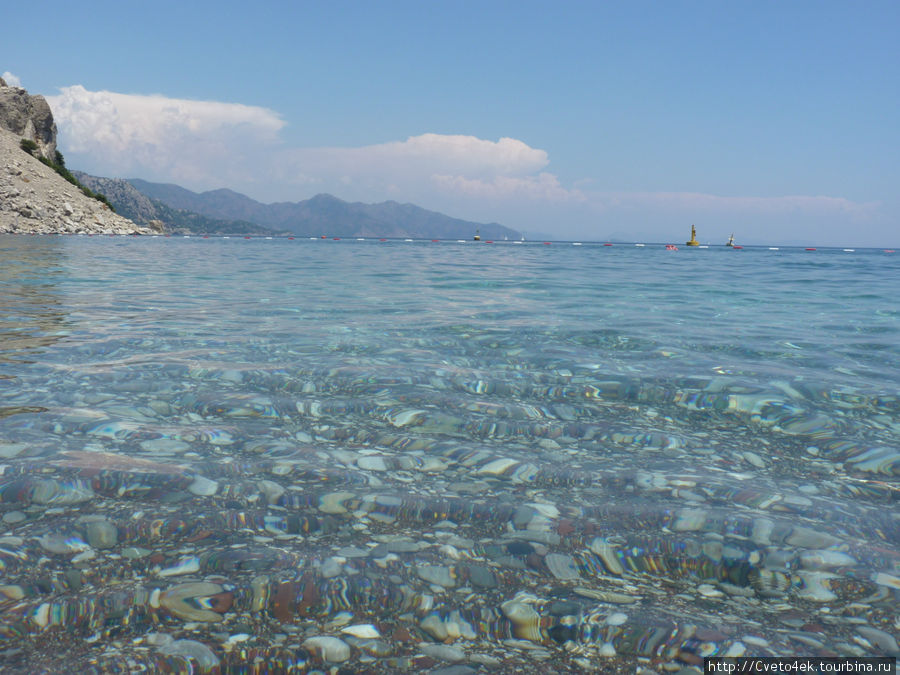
x: 730, y: 241
x: 477, y: 236
x: 693, y: 241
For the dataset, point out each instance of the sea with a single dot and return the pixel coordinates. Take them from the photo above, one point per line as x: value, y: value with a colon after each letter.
x: 274, y: 455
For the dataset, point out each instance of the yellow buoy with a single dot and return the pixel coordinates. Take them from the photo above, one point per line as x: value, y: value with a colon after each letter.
x: 693, y: 241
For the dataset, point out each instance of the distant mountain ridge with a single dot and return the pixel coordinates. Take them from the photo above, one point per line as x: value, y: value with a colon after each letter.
x: 320, y: 215
x: 153, y: 213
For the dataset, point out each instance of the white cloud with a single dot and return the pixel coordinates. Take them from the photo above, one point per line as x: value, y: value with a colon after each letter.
x: 11, y: 79
x: 422, y: 157
x: 193, y: 140
x: 207, y: 144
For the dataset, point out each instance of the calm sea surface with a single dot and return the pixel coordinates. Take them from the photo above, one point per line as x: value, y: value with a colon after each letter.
x: 275, y: 455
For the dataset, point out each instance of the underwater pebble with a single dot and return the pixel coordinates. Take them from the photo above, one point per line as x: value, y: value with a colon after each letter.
x: 754, y: 459
x: 561, y: 566
x: 10, y: 450
x: 333, y: 502
x: 203, y: 487
x: 13, y: 517
x: 884, y: 641
x: 331, y: 568
x: 205, y: 657
x: 102, y: 534
x: 616, y: 619
x: 362, y: 630
x: 165, y: 445
x: 61, y: 544
x: 187, y: 565
x: 442, y: 652
x: 709, y: 591
x: 190, y: 601
x: 606, y: 650
x: 437, y: 574
x: 57, y: 493
x: 331, y: 649
x: 372, y: 463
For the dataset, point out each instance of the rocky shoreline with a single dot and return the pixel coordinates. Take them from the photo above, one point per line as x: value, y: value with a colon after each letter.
x: 34, y: 199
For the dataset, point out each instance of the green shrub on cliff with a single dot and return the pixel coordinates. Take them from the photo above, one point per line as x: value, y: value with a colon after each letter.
x: 59, y: 165
x: 28, y: 146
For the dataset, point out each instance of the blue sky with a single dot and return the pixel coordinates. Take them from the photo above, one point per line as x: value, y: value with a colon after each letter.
x: 779, y: 121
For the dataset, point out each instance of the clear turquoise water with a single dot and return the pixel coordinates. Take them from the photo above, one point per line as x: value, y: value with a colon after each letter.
x: 664, y: 405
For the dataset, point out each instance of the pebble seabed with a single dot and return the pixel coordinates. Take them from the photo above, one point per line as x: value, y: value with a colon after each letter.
x: 521, y: 511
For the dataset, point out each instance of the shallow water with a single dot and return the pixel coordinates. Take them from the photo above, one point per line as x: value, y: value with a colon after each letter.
x: 277, y: 455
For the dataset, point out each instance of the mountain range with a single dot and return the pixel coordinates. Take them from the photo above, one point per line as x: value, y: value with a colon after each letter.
x: 225, y: 211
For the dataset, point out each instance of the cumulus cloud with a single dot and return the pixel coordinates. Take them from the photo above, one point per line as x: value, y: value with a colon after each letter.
x: 11, y: 79
x: 187, y: 139
x: 454, y: 164
x: 207, y: 144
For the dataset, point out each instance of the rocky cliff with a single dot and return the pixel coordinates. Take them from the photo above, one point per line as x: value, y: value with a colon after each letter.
x: 34, y: 198
x: 29, y: 117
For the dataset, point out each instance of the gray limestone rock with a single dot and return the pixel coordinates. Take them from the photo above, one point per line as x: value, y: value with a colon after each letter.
x: 29, y: 117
